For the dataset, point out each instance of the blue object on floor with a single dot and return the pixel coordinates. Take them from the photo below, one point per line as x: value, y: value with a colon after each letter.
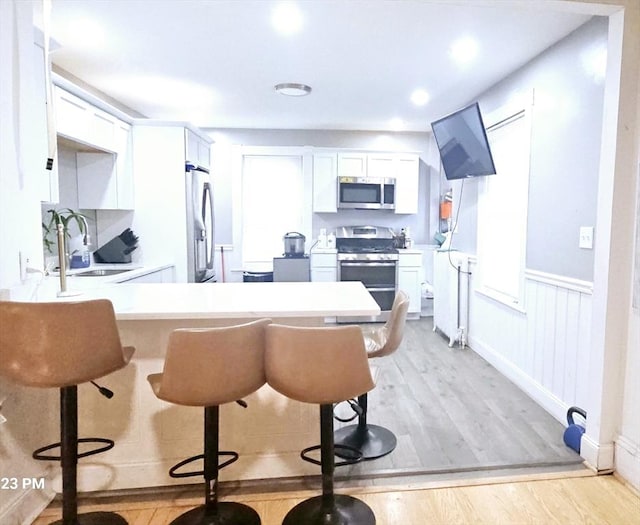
x: 573, y: 433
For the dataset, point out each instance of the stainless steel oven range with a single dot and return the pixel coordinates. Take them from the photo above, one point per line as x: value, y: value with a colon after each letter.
x: 369, y: 254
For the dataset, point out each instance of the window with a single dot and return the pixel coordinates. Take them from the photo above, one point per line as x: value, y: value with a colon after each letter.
x: 274, y: 202
x: 502, y: 211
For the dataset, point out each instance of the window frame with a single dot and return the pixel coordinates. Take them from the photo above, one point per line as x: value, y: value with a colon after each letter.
x: 514, y: 299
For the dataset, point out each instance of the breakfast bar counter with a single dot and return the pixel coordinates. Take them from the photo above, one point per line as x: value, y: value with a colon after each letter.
x: 152, y: 435
x: 157, y: 301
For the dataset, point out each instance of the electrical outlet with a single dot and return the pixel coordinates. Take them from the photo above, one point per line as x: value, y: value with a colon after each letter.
x: 586, y: 237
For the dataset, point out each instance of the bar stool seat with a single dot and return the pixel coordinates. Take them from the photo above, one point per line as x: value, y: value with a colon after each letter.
x: 375, y: 441
x: 207, y: 368
x: 321, y: 366
x: 61, y: 345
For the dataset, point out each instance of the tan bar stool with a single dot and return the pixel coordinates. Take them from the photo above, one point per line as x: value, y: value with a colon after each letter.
x: 207, y: 368
x: 60, y: 345
x: 321, y: 366
x: 375, y: 441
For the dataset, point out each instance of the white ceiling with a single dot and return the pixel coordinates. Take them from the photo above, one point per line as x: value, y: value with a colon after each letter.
x: 215, y: 62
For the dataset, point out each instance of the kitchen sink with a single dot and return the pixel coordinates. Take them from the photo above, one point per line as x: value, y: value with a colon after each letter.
x: 100, y: 273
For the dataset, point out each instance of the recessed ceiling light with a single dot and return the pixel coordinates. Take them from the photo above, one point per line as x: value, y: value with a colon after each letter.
x: 464, y: 50
x: 419, y: 97
x: 292, y: 89
x: 287, y: 18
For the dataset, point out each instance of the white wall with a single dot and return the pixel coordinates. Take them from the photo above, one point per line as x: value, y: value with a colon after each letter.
x: 548, y: 360
x: 31, y: 414
x: 565, y: 151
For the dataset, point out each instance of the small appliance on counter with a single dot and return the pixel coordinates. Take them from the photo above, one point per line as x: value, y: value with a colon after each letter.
x: 118, y: 249
x: 294, y: 244
x: 291, y: 269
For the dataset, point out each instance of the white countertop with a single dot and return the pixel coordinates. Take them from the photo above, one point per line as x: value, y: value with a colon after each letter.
x: 46, y: 288
x: 234, y: 300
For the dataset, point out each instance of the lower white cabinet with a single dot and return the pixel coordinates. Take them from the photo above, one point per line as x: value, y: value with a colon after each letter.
x: 324, y: 267
x: 410, y: 273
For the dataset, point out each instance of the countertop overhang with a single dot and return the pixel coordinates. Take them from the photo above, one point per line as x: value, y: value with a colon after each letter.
x: 234, y: 300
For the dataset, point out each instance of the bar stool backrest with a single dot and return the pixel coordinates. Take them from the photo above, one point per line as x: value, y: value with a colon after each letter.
x: 213, y: 366
x: 317, y: 365
x: 386, y: 340
x: 59, y: 344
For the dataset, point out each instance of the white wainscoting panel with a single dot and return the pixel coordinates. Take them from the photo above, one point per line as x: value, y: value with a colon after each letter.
x: 543, y: 348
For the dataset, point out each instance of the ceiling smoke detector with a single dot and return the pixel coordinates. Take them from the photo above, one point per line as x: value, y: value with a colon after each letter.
x: 292, y: 89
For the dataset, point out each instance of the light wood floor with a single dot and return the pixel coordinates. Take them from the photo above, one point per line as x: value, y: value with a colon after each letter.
x: 584, y: 499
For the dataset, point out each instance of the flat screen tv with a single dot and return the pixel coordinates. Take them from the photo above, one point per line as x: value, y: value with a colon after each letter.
x: 462, y: 141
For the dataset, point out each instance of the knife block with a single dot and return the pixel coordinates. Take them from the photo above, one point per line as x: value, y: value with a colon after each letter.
x: 113, y: 252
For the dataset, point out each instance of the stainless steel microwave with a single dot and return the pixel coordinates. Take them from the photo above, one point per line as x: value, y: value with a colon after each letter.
x: 369, y: 193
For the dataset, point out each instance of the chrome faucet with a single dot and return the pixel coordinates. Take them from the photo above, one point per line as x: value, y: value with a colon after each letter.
x: 85, y: 238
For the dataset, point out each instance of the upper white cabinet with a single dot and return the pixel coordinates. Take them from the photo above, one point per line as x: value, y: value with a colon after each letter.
x: 352, y: 164
x: 380, y: 165
x: 325, y: 181
x: 407, y: 171
x: 328, y: 165
x: 124, y: 167
x: 198, y: 150
x: 105, y: 174
x: 81, y: 121
x: 105, y: 180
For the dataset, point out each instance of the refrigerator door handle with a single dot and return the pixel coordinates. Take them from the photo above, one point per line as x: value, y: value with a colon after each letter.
x: 195, y: 167
x: 207, y: 205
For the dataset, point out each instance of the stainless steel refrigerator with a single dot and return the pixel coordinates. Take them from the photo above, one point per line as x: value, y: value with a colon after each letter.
x: 200, y: 225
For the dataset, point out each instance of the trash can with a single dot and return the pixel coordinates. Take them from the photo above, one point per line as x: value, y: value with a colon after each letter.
x: 257, y: 277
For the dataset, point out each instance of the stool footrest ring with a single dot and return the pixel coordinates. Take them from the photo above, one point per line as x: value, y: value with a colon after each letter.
x: 354, y: 457
x: 108, y: 445
x: 172, y: 471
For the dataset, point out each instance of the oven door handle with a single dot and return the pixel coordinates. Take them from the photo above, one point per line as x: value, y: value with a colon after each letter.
x: 360, y: 264
x: 381, y: 289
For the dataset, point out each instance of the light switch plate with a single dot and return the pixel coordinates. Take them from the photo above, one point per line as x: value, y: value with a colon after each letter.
x: 586, y: 237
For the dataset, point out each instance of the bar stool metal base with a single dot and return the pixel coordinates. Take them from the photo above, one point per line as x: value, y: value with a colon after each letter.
x: 345, y: 510
x: 373, y: 441
x: 229, y: 513
x: 94, y: 518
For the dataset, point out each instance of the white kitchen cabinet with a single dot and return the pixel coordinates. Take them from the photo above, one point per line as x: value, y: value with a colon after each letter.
x: 47, y: 179
x: 406, y: 170
x: 78, y: 120
x: 324, y: 266
x: 381, y: 165
x: 124, y: 167
x: 72, y: 115
x: 352, y: 164
x: 325, y: 181
x: 198, y: 150
x: 410, y: 278
x: 105, y: 180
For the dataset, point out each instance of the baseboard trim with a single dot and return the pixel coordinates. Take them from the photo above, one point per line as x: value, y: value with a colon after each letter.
x: 599, y: 456
x: 542, y: 396
x: 627, y: 459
